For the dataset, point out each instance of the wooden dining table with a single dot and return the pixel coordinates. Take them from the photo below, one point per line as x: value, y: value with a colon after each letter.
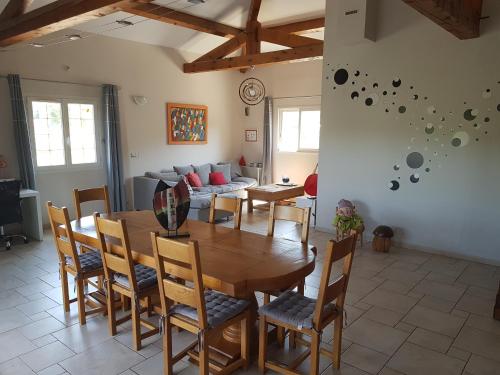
x: 234, y: 262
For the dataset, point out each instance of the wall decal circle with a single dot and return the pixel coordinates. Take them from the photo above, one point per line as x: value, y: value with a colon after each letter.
x: 415, y: 178
x: 415, y: 160
x: 415, y: 97
x: 357, y: 73
x: 396, y: 82
x: 341, y: 76
x: 394, y: 185
x: 402, y: 109
x: 396, y: 167
x: 460, y: 139
x: 470, y: 114
x: 429, y: 128
x: 354, y: 95
x: 372, y: 99
x: 431, y: 110
x: 487, y: 94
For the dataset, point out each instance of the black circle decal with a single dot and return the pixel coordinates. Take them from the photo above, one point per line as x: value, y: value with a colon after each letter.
x: 396, y: 82
x: 415, y: 177
x: 394, y: 185
x: 341, y: 76
x: 354, y: 95
x: 369, y: 101
x: 402, y: 109
x: 415, y: 160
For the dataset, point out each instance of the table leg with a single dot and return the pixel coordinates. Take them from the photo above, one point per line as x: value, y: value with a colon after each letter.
x: 250, y: 204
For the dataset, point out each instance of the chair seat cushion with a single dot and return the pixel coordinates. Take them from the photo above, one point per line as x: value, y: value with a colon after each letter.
x: 89, y: 261
x: 294, y: 309
x: 145, y: 277
x: 220, y: 308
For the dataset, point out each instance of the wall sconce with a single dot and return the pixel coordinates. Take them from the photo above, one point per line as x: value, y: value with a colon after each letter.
x: 139, y: 100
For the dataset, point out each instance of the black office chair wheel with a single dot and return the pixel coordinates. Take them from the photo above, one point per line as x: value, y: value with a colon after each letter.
x: 7, y: 245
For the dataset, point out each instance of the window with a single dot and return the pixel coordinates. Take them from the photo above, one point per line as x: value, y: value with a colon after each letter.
x: 64, y: 133
x: 299, y: 129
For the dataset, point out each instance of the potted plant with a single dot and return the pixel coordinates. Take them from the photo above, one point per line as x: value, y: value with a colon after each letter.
x: 347, y: 220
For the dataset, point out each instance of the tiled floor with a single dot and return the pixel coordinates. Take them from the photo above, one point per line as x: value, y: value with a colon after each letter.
x: 408, y: 312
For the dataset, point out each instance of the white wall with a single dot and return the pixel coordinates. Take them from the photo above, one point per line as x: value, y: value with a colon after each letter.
x: 138, y: 69
x: 453, y: 208
x: 282, y: 80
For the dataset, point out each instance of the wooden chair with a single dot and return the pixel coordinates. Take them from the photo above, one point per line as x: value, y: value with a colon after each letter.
x: 90, y: 195
x: 82, y: 266
x: 226, y: 204
x: 289, y: 213
x: 313, y: 315
x: 134, y: 281
x: 193, y: 308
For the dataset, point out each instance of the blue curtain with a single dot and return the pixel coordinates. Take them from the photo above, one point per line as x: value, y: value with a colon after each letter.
x: 114, y: 166
x: 267, y: 152
x: 21, y: 133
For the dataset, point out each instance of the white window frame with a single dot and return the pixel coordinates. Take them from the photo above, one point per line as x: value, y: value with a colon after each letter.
x: 64, y: 101
x: 300, y: 109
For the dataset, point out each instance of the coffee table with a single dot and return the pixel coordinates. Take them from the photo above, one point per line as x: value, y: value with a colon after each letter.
x: 272, y: 193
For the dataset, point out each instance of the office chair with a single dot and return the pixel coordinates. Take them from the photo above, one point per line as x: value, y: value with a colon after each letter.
x: 10, y: 212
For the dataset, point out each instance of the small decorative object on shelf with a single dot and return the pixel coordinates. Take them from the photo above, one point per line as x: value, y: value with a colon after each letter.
x: 347, y: 220
x: 171, y: 207
x: 382, y: 238
x: 242, y: 161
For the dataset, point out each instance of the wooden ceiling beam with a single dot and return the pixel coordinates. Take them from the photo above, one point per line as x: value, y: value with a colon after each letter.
x: 224, y: 49
x: 300, y: 26
x: 253, y: 12
x: 288, y: 40
x: 52, y: 17
x: 239, y: 62
x: 15, y: 8
x: 460, y: 17
x: 175, y: 17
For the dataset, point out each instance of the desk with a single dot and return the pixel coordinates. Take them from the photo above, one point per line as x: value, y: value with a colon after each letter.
x: 32, y: 214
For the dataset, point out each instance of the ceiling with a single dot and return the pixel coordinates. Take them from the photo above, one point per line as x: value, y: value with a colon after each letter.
x: 230, y: 12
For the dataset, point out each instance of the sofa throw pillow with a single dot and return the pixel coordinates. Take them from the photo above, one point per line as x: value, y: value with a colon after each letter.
x: 225, y: 169
x: 203, y: 171
x: 235, y: 168
x: 184, y: 170
x: 217, y: 178
x: 194, y: 179
x: 186, y: 181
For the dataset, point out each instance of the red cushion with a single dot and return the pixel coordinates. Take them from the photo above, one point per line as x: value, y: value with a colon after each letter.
x: 194, y: 179
x: 217, y: 178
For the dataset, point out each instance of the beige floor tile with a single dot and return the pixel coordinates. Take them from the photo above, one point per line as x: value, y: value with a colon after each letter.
x: 408, y: 277
x: 108, y: 358
x: 53, y: 370
x: 11, y: 319
x: 487, y: 324
x: 154, y: 366
x: 46, y: 356
x: 13, y: 344
x: 443, y: 291
x: 79, y: 338
x: 365, y: 359
x: 480, y: 275
x: 396, y: 286
x: 389, y: 371
x: 405, y: 327
x: 459, y: 353
x: 476, y: 305
x: 11, y: 298
x: 412, y: 359
x: 376, y: 336
x: 435, y: 321
x: 481, y: 366
x: 361, y: 286
x: 390, y: 301
x: 478, y: 342
x: 435, y: 303
x: 345, y: 369
x: 41, y: 328
x: 33, y: 307
x: 430, y: 340
x: 381, y: 315
x: 15, y: 367
x: 44, y: 340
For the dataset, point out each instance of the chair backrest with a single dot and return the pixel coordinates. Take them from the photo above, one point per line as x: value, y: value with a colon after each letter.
x: 115, y: 250
x: 177, y: 262
x: 90, y: 195
x: 290, y: 213
x: 226, y: 204
x: 336, y: 290
x: 10, y: 202
x: 63, y: 235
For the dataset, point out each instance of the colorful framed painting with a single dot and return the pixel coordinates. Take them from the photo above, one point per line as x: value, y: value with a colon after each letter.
x: 187, y: 124
x: 251, y: 135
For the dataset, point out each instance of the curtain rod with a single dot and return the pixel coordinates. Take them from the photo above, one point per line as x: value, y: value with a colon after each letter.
x: 50, y: 81
x: 299, y: 96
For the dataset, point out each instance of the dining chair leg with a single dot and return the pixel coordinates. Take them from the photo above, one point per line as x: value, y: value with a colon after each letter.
x: 280, y: 336
x: 111, y: 309
x: 80, y: 298
x: 315, y: 343
x: 204, y: 368
x: 337, y: 340
x: 136, y: 325
x: 267, y: 298
x: 65, y: 288
x: 292, y: 342
x: 262, y: 344
x: 167, y: 348
x: 149, y: 306
x: 245, y: 340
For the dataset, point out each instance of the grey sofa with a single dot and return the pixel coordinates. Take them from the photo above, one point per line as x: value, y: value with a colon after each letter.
x: 144, y: 187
